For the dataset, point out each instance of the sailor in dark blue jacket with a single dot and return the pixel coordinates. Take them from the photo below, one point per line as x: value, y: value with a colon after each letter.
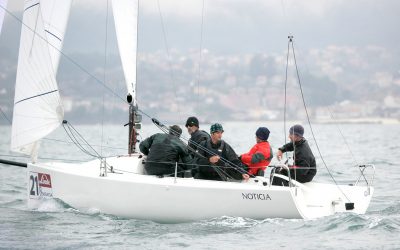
x: 304, y: 166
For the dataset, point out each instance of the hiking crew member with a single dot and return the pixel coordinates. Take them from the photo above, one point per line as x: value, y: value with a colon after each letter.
x: 211, y: 166
x: 196, y: 135
x: 304, y: 166
x: 260, y: 155
x: 163, y: 151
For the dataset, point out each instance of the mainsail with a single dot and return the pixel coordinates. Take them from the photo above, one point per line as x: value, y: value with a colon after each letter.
x: 37, y: 105
x: 125, y: 18
x: 3, y: 4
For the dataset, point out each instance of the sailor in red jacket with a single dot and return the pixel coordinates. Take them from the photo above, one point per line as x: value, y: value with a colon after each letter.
x: 260, y: 155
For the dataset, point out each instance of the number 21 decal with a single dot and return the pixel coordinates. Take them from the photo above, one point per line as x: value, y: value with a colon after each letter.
x: 33, y: 180
x: 40, y: 185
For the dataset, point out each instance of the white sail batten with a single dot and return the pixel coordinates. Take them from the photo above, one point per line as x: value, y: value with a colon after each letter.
x: 37, y: 105
x: 126, y: 18
x: 3, y: 4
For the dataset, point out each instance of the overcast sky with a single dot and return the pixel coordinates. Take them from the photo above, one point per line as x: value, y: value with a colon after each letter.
x: 243, y: 26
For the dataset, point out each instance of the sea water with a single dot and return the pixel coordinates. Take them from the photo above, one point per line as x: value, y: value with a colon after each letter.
x: 56, y: 225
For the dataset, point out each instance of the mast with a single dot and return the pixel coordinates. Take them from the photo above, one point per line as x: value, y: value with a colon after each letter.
x: 134, y: 125
x: 126, y: 25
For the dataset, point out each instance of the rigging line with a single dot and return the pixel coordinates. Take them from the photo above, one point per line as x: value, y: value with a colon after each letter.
x: 344, y: 139
x: 5, y: 116
x: 168, y: 54
x: 67, y: 142
x: 187, y: 164
x: 104, y: 77
x: 200, y: 58
x: 43, y: 158
x: 220, y: 170
x: 74, y: 139
x: 309, y: 123
x: 71, y: 60
x: 286, y: 79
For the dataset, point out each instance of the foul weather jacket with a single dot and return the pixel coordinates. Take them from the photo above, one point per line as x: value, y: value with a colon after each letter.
x: 195, y: 139
x: 227, y: 168
x: 262, y: 147
x: 163, y: 151
x: 304, y: 167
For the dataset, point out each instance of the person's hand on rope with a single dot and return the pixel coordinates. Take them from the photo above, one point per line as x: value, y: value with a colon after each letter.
x: 279, y: 155
x: 214, y: 159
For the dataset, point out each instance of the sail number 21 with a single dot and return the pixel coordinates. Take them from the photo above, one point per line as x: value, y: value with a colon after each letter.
x: 34, y: 185
x: 40, y: 185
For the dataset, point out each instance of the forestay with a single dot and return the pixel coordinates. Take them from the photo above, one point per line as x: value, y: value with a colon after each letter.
x: 3, y: 4
x: 37, y: 105
x: 125, y: 18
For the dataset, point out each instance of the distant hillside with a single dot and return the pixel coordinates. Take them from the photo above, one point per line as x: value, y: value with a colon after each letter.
x: 230, y: 87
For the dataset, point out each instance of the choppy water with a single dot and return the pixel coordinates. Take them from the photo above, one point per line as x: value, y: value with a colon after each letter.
x: 55, y: 225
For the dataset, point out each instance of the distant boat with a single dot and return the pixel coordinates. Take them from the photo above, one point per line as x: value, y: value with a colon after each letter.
x: 117, y: 185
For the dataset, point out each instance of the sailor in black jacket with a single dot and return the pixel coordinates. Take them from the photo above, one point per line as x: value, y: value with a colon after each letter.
x: 211, y: 166
x: 164, y: 151
x: 304, y: 166
x: 196, y: 135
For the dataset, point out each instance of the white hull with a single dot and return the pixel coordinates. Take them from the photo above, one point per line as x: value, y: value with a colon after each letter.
x: 128, y: 193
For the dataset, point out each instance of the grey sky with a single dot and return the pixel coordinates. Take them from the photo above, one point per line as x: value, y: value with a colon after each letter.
x: 238, y: 26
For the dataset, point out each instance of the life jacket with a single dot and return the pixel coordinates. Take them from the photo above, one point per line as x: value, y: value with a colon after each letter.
x: 265, y: 149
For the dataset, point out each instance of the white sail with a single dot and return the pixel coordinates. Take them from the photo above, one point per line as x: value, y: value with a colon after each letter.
x: 37, y: 105
x: 55, y: 15
x: 125, y: 18
x: 3, y: 5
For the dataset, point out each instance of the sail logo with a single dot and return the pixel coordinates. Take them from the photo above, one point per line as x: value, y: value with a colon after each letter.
x: 44, y: 180
x: 255, y: 196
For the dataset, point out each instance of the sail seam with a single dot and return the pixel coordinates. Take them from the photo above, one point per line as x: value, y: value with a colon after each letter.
x: 36, y: 96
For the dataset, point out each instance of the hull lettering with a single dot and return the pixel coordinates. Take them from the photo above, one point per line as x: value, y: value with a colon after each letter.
x: 255, y: 196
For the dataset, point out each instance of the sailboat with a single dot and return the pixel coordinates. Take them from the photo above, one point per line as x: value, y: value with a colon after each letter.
x: 118, y: 185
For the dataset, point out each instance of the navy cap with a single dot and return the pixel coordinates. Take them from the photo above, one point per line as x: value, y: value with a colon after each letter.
x: 262, y: 133
x: 297, y: 130
x: 192, y: 121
